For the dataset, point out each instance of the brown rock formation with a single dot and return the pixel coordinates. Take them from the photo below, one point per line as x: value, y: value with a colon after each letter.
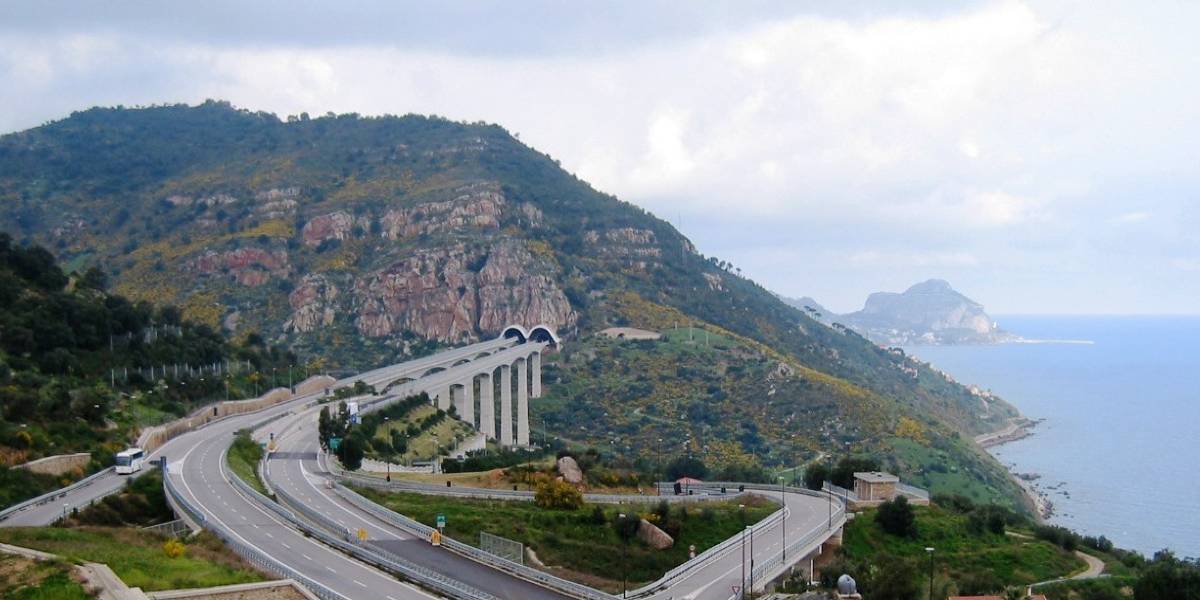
x: 476, y: 206
x: 654, y: 537
x: 570, y: 471
x: 312, y: 304
x: 248, y: 266
x: 333, y: 226
x: 438, y: 293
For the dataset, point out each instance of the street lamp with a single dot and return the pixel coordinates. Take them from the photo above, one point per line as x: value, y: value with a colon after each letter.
x: 387, y: 460
x: 783, y: 501
x: 742, y: 516
x: 751, y: 528
x: 624, y: 555
x: 929, y: 550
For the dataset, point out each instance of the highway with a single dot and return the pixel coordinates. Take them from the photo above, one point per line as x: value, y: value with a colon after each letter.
x: 295, y: 468
x: 198, y: 470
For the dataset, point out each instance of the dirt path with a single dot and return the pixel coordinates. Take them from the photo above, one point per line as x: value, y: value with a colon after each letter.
x: 1094, y: 569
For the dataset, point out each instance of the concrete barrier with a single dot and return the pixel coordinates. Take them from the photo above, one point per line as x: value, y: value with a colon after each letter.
x: 153, y: 437
x: 57, y: 464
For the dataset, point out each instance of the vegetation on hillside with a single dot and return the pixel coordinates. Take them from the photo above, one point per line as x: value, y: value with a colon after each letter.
x: 589, y: 543
x: 137, y: 556
x: 74, y: 363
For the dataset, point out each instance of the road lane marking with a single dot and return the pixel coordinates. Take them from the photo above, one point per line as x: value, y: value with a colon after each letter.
x: 359, y: 583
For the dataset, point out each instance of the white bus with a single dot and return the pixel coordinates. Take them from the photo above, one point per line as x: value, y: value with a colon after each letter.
x: 129, y: 461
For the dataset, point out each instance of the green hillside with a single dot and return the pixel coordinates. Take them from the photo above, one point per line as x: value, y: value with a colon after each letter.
x: 63, y: 342
x: 364, y: 240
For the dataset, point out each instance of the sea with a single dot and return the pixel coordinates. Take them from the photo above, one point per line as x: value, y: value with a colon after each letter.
x: 1118, y: 450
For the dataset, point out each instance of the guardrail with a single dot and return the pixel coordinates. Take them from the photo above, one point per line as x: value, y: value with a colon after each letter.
x: 424, y: 531
x: 48, y: 496
x: 322, y: 526
x: 913, y: 491
x: 257, y: 558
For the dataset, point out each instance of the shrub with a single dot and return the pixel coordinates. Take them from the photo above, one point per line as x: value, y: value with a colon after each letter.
x: 896, y: 517
x: 559, y: 495
x: 174, y: 548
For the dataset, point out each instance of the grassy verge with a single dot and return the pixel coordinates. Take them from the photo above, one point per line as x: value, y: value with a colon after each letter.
x: 970, y: 560
x: 25, y: 579
x: 137, y: 556
x: 588, y: 549
x: 243, y: 459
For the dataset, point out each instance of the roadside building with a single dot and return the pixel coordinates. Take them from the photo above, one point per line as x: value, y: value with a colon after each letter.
x: 871, y: 486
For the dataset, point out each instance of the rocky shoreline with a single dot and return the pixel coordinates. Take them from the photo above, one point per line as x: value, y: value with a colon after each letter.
x: 1018, y: 429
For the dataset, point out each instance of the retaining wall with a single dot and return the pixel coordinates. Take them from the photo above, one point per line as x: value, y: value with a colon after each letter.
x: 58, y: 464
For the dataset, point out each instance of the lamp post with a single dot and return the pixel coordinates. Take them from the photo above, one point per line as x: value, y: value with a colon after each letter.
x: 751, y: 582
x: 783, y: 502
x: 624, y: 556
x: 659, y: 466
x: 742, y: 516
x: 929, y: 551
x: 387, y: 460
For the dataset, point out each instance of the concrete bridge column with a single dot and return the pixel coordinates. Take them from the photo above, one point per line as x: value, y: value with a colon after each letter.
x: 487, y: 407
x: 535, y: 383
x: 506, y: 424
x: 443, y: 398
x: 466, y: 401
x: 522, y: 403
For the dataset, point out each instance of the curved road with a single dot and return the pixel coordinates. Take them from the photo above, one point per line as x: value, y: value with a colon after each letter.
x: 295, y: 468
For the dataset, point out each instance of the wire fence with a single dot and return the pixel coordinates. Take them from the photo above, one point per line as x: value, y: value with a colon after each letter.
x: 502, y: 547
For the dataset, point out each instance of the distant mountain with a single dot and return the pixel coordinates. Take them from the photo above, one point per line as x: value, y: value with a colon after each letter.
x: 810, y: 306
x: 930, y: 312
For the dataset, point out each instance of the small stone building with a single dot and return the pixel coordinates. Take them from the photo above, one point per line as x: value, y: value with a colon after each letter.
x: 870, y: 486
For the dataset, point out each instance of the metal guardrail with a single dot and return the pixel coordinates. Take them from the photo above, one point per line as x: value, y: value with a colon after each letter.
x: 48, y: 496
x: 322, y: 527
x: 424, y: 531
x: 909, y: 490
x: 253, y: 555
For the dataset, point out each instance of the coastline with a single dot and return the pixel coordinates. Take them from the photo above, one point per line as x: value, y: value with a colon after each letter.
x: 1019, y: 428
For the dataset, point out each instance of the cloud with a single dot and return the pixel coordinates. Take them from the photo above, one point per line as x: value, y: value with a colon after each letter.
x: 946, y: 136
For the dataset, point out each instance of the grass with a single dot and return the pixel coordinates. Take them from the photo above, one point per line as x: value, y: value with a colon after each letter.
x: 589, y: 552
x: 25, y: 579
x: 243, y: 459
x: 424, y: 445
x: 137, y: 556
x: 960, y: 554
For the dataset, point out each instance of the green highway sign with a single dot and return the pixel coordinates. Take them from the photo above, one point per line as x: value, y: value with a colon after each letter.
x: 441, y: 521
x: 334, y: 443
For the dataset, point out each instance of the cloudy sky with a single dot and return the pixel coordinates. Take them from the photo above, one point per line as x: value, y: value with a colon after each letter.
x: 1041, y: 156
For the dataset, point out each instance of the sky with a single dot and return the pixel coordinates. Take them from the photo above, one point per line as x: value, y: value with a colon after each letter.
x: 1040, y: 156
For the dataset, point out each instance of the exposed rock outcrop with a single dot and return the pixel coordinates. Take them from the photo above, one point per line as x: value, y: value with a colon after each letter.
x: 570, y: 471
x: 450, y: 293
x: 654, y: 537
x: 250, y: 267
x: 475, y: 206
x: 333, y: 226
x: 312, y: 304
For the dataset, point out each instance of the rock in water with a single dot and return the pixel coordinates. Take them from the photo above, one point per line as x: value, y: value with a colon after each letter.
x: 653, y: 536
x: 570, y: 471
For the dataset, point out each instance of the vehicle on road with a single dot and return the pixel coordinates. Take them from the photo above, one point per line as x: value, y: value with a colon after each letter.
x: 130, y: 461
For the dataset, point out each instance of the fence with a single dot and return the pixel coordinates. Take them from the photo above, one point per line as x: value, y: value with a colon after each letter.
x: 175, y: 528
x: 502, y: 547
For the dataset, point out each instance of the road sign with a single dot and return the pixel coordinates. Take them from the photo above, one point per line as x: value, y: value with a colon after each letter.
x: 737, y: 589
x: 334, y: 442
x: 441, y: 521
x: 362, y: 534
x: 436, y: 538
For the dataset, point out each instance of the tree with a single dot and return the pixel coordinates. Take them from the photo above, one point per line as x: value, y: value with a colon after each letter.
x: 556, y: 494
x: 843, y: 473
x: 1168, y: 577
x: 93, y: 279
x: 687, y: 466
x: 351, y: 452
x: 815, y: 476
x: 891, y: 578
x: 324, y: 427
x: 896, y: 517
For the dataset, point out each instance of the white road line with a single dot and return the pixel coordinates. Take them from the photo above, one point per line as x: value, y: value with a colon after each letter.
x: 359, y: 583
x: 306, y: 557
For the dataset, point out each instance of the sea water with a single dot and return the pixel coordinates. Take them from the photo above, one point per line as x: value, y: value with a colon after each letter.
x: 1119, y: 450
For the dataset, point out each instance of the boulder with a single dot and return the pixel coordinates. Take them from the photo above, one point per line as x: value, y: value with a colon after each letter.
x: 654, y: 537
x: 571, y: 473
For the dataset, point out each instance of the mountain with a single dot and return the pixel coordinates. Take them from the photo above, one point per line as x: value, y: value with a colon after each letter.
x: 930, y: 312
x: 809, y: 305
x: 358, y: 241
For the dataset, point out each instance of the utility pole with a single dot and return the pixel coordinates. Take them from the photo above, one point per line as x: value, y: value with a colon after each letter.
x: 930, y: 552
x: 742, y: 516
x: 783, y: 502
